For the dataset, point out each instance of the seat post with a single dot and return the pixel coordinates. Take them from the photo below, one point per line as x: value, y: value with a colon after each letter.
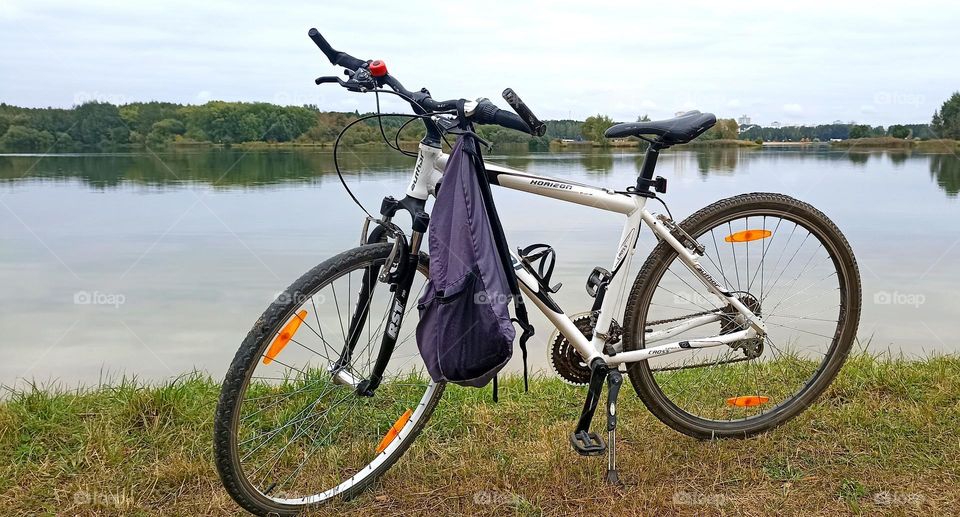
x: 645, y: 180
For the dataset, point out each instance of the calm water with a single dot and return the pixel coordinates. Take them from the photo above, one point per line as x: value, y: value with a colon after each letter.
x: 157, y: 264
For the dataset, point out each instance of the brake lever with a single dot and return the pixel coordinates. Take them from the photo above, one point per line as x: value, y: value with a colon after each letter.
x: 352, y: 85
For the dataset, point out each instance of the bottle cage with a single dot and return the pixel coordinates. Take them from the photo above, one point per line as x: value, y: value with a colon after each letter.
x: 538, y: 260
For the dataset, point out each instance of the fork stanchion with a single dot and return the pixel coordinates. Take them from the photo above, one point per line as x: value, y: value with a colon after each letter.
x: 614, y: 381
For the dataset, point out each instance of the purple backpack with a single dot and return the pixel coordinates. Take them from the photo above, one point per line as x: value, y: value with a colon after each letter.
x: 465, y: 333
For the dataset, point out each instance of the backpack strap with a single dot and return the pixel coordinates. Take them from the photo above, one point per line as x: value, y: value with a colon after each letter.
x: 472, y: 148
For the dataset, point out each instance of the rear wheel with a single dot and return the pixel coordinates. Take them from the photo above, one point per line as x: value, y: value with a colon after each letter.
x: 785, y: 261
x: 291, y: 431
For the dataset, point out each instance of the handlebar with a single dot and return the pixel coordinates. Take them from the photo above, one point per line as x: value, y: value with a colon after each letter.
x: 335, y: 56
x: 483, y: 112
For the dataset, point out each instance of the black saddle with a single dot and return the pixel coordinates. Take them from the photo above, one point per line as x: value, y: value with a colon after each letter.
x: 677, y: 130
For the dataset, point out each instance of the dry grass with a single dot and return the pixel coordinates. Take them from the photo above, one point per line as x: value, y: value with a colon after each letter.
x: 885, y: 439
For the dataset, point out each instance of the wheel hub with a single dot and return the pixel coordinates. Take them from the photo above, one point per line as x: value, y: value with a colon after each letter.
x: 735, y: 322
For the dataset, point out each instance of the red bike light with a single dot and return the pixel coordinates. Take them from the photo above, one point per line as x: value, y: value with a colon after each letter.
x: 378, y: 68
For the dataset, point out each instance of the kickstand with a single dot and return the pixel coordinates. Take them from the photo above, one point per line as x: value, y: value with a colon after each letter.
x: 614, y: 381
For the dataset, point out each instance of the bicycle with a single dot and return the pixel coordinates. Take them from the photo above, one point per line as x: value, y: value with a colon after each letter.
x: 712, y: 341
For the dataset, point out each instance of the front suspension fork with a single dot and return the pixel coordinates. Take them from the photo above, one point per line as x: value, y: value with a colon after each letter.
x: 407, y: 257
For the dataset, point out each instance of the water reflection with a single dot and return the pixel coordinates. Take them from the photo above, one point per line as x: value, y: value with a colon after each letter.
x: 226, y: 167
x: 232, y: 167
x: 601, y: 161
x: 714, y: 161
x: 945, y: 168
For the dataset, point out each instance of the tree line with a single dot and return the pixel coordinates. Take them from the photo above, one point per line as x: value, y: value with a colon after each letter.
x: 104, y: 126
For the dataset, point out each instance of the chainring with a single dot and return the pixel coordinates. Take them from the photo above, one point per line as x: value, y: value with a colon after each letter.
x: 564, y: 358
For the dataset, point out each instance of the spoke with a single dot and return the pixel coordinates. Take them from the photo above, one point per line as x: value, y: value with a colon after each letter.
x: 736, y: 268
x: 763, y: 255
x: 337, y: 304
x: 799, y: 330
x: 720, y: 259
x: 775, y: 282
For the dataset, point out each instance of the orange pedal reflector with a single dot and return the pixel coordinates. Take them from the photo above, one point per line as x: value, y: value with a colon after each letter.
x: 748, y: 235
x: 748, y: 400
x: 394, y: 431
x: 284, y: 337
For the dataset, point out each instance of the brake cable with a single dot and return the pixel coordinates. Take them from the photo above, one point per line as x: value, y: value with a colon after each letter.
x: 336, y: 145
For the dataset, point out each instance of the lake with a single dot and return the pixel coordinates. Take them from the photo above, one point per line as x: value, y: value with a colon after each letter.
x: 157, y: 264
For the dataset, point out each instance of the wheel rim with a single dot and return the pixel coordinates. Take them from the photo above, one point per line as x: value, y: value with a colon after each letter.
x: 800, y: 285
x: 300, y: 436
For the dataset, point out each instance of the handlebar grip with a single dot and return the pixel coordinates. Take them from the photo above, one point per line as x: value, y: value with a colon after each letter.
x: 511, y: 121
x: 537, y: 128
x: 487, y: 112
x: 335, y: 56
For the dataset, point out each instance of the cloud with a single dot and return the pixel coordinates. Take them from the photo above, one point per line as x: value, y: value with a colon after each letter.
x: 178, y: 52
x: 793, y: 109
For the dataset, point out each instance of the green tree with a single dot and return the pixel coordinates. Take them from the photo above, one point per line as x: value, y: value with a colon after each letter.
x: 946, y: 121
x: 99, y: 124
x: 898, y: 131
x: 724, y: 129
x: 860, y: 131
x: 594, y: 127
x: 643, y: 118
x: 26, y: 140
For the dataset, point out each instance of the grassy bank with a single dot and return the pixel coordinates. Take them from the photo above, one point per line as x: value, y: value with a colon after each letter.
x: 943, y: 145
x: 885, y: 438
x: 723, y: 142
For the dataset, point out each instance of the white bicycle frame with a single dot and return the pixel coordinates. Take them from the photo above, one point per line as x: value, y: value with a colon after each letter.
x: 429, y: 171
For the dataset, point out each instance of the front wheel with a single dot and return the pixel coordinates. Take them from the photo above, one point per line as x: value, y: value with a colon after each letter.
x: 291, y: 431
x: 786, y: 262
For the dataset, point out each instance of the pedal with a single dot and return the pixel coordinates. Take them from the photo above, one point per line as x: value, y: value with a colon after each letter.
x: 587, y: 443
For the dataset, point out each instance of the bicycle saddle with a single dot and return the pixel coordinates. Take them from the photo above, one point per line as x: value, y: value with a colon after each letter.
x: 677, y: 130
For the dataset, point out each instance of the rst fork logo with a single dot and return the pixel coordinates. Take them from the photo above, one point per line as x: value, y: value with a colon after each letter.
x: 395, y: 316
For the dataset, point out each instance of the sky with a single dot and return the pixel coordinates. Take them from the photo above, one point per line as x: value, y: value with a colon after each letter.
x: 797, y: 63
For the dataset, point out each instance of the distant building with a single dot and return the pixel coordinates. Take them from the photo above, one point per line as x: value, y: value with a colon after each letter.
x: 775, y: 124
x: 838, y: 122
x: 744, y: 120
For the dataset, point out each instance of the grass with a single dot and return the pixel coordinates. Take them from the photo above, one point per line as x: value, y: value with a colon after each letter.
x: 885, y: 438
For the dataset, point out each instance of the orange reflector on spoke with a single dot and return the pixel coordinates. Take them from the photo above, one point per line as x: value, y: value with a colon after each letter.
x: 394, y: 431
x: 284, y: 337
x: 748, y: 235
x: 748, y: 400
